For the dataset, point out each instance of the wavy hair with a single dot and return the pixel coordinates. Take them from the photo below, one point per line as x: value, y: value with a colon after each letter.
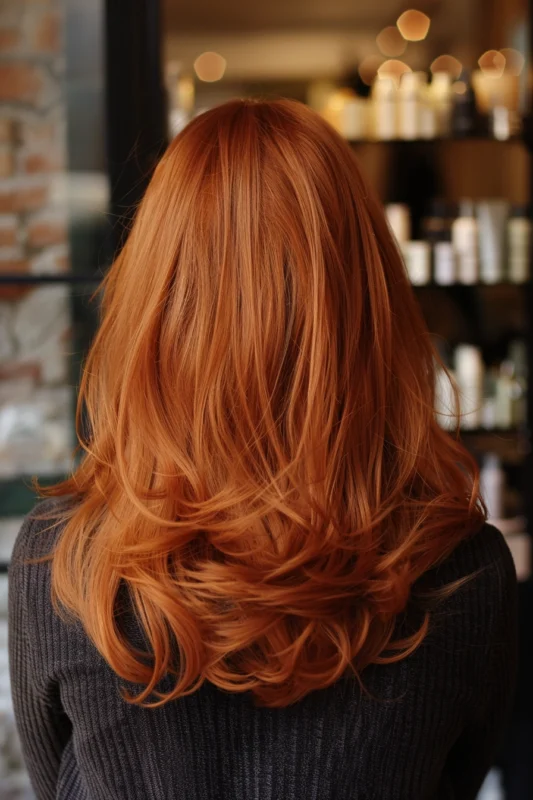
x: 263, y: 471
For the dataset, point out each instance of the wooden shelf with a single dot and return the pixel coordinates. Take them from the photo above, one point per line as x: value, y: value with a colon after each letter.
x: 510, y: 444
x: 478, y: 285
x: 509, y: 432
x: 438, y: 140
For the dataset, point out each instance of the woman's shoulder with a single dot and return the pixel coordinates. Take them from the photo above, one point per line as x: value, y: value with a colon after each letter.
x: 484, y: 558
x: 479, y: 593
x: 39, y: 532
x: 49, y: 640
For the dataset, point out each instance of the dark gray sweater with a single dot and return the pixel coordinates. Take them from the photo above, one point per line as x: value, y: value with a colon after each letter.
x: 428, y: 728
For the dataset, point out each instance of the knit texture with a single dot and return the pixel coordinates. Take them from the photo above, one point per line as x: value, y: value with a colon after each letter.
x: 427, y: 727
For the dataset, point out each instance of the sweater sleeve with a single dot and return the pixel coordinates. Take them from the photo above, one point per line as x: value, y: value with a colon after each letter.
x: 477, y: 748
x: 43, y: 728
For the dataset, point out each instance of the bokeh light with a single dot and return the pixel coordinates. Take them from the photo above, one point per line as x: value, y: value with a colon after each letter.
x: 447, y: 63
x: 492, y: 62
x: 413, y: 25
x: 210, y: 67
x: 391, y: 42
x: 514, y: 60
x: 368, y: 69
x: 393, y: 68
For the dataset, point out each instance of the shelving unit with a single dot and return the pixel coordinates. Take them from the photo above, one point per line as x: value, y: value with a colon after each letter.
x: 415, y: 157
x: 513, y: 446
x: 436, y: 140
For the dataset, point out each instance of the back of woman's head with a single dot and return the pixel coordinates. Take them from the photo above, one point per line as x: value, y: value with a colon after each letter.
x: 264, y: 471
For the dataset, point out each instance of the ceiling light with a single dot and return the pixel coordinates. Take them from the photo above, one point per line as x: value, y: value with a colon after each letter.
x: 514, y: 60
x: 393, y: 68
x: 210, y: 67
x: 448, y: 64
x: 492, y: 63
x: 459, y: 87
x: 413, y: 25
x: 391, y: 42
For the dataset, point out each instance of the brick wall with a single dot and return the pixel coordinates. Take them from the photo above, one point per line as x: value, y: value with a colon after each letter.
x: 33, y: 234
x: 35, y: 397
x: 35, y: 321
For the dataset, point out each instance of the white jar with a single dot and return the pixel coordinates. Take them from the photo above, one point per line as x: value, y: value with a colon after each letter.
x: 417, y: 256
x: 440, y: 92
x: 384, y: 96
x: 492, y: 220
x: 428, y: 118
x: 518, y: 247
x: 410, y: 105
x: 399, y: 219
x: 354, y: 119
x: 492, y: 484
x: 465, y: 244
x: 469, y: 369
x: 445, y: 406
x: 444, y: 263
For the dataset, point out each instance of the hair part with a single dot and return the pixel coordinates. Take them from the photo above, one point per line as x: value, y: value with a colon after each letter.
x: 264, y: 471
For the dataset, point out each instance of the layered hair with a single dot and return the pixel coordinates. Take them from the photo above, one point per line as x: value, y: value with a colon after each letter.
x: 263, y: 470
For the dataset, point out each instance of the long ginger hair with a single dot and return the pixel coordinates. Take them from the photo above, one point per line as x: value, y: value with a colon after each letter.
x: 263, y: 468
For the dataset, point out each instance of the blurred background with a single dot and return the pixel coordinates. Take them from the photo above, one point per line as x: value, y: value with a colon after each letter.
x: 434, y: 97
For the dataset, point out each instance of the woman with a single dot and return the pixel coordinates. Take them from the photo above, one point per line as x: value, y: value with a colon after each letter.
x: 270, y: 577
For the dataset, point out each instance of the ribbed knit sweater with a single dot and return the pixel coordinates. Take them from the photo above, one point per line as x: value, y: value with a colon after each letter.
x: 427, y: 727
